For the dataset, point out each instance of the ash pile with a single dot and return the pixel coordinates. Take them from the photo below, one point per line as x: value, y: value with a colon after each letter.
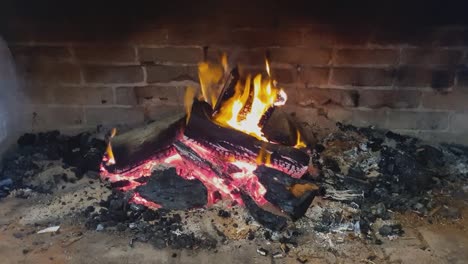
x: 369, y: 177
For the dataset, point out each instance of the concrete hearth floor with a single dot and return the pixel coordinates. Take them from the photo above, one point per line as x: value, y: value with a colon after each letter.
x: 442, y: 241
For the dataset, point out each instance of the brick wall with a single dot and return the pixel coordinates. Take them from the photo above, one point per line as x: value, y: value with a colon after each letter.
x: 411, y: 80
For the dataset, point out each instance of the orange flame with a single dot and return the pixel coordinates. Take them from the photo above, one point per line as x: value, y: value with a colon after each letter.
x: 245, y: 109
x: 190, y: 93
x: 210, y: 76
x: 110, y: 153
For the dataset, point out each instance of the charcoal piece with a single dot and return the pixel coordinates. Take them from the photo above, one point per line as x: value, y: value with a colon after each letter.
x: 292, y: 196
x: 230, y: 143
x: 134, y: 147
x: 171, y: 191
x: 27, y: 139
x: 265, y: 218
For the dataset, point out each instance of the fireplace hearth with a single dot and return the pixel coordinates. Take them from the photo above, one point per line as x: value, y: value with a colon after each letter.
x: 246, y: 132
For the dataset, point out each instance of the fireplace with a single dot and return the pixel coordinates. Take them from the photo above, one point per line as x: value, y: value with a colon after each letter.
x: 297, y: 131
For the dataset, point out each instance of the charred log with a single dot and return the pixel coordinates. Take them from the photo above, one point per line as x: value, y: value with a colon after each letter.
x: 171, y: 191
x: 292, y: 196
x: 264, y: 217
x: 133, y: 148
x: 231, y: 143
x: 228, y: 90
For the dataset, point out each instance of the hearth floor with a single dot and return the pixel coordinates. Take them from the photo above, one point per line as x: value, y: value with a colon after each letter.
x: 443, y: 241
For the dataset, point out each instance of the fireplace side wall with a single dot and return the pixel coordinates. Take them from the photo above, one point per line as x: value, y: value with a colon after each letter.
x: 413, y: 81
x: 11, y: 100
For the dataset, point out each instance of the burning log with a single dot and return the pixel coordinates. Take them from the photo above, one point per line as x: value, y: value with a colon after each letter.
x: 133, y: 148
x: 218, y: 152
x: 231, y: 143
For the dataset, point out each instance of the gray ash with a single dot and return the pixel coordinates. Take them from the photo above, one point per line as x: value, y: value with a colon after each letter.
x: 36, y: 152
x: 160, y: 228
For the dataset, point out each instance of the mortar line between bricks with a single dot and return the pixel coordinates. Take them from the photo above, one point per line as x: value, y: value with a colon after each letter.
x: 403, y: 110
x: 162, y: 46
x: 137, y: 54
x: 450, y: 118
x: 83, y: 115
x: 77, y: 106
x: 87, y: 63
x: 145, y: 74
x: 74, y: 60
x: 331, y: 67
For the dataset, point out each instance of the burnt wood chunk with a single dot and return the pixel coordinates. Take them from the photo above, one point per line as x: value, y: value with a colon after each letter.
x: 264, y: 217
x: 231, y: 143
x: 134, y: 147
x: 280, y: 128
x: 292, y: 196
x: 171, y: 191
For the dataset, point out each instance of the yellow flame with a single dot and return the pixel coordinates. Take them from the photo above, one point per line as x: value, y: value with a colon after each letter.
x: 190, y: 93
x: 110, y: 153
x: 246, y: 108
x: 299, y: 142
x: 251, y: 99
x: 210, y: 75
x: 268, y: 67
x: 224, y: 62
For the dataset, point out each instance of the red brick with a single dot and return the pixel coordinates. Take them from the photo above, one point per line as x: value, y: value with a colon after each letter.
x: 159, y: 95
x: 416, y: 36
x: 357, y: 117
x: 364, y: 118
x: 303, y: 56
x: 430, y: 57
x: 113, y: 74
x: 391, y: 99
x: 106, y: 53
x: 48, y: 118
x: 165, y: 73
x: 314, y: 75
x: 417, y: 120
x: 205, y: 35
x: 148, y: 36
x: 32, y: 53
x: 459, y: 122
x: 170, y: 54
x: 266, y: 37
x: 283, y: 76
x: 49, y: 72
x: 113, y: 116
x: 155, y: 112
x: 451, y: 37
x: 328, y: 35
x: 81, y: 95
x: 362, y: 77
x: 366, y: 57
x: 462, y: 79
x: 242, y: 57
x: 445, y: 101
x: 125, y: 96
x: 320, y: 97
x: 417, y: 77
